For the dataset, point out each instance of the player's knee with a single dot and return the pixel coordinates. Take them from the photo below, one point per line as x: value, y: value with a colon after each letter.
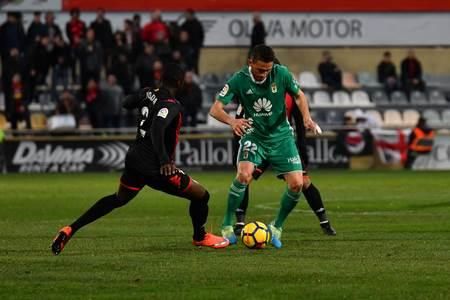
x: 206, y: 196
x: 244, y: 177
x: 295, y: 186
x: 120, y: 200
x: 306, y: 182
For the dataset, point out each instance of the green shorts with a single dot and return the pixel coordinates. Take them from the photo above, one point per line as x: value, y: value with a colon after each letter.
x: 283, y: 155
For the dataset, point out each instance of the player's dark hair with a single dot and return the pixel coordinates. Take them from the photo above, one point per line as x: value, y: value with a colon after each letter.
x: 262, y: 53
x: 172, y: 75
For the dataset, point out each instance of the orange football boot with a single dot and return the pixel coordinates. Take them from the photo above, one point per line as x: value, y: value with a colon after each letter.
x: 212, y: 241
x: 61, y: 239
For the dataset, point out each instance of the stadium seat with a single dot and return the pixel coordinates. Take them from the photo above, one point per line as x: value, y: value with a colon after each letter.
x: 368, y: 79
x: 361, y: 98
x: 3, y: 121
x: 398, y: 98
x: 380, y: 98
x: 436, y: 97
x: 38, y: 121
x: 321, y: 98
x: 349, y: 81
x: 418, y: 98
x: 308, y: 80
x: 446, y: 117
x: 432, y: 116
x: 341, y: 98
x: 376, y: 115
x: 410, y: 117
x: 392, y: 118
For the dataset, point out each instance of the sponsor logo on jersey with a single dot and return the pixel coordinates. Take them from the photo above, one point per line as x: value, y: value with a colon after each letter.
x: 163, y: 112
x: 294, y: 160
x: 249, y: 92
x: 263, y: 108
x: 274, y: 87
x: 224, y: 91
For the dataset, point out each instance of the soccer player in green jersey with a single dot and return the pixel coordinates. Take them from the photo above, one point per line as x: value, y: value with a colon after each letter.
x: 266, y: 134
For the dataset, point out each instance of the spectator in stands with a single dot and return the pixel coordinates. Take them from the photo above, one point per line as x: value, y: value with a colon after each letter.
x: 156, y: 31
x: 39, y: 61
x: 196, y: 35
x: 412, y: 74
x: 12, y: 35
x: 91, y: 58
x: 103, y: 33
x: 187, y: 51
x: 136, y: 23
x: 51, y: 29
x: 18, y: 108
x: 387, y: 74
x: 12, y: 65
x: 133, y: 40
x: 191, y: 98
x: 112, y: 98
x: 420, y: 142
x: 36, y: 30
x: 259, y: 33
x: 174, y: 34
x: 61, y: 65
x: 68, y: 105
x: 178, y: 59
x: 120, y: 63
x: 75, y: 31
x: 330, y: 73
x: 92, y: 98
x: 157, y: 72
x: 144, y: 66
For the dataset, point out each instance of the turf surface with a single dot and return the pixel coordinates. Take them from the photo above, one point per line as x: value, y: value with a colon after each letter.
x: 393, y: 241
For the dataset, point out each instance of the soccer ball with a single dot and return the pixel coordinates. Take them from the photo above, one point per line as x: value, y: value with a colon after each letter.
x: 255, y: 235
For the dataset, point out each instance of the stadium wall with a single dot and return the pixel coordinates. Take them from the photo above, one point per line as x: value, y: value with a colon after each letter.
x: 352, y: 59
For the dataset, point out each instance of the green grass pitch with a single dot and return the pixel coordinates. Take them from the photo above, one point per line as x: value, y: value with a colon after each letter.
x: 393, y: 241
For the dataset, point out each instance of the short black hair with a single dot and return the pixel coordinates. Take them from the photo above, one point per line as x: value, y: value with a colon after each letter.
x: 387, y: 53
x: 172, y: 75
x: 263, y: 53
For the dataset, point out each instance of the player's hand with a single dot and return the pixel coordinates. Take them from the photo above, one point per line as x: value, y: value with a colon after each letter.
x: 312, y: 126
x: 168, y: 169
x: 239, y: 126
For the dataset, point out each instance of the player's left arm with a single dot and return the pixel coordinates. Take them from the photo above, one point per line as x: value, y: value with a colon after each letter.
x: 301, y: 101
x: 167, y: 112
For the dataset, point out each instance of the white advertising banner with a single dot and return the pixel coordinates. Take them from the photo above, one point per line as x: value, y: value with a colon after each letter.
x: 31, y: 5
x: 305, y: 29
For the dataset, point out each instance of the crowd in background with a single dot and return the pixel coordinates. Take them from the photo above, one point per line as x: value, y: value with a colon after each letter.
x: 88, y: 68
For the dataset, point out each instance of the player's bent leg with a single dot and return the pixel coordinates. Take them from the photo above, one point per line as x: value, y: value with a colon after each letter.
x: 288, y: 202
x: 198, y: 210
x: 99, y: 209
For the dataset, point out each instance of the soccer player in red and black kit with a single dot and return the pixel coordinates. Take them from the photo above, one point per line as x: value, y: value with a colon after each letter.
x: 310, y: 191
x: 150, y: 161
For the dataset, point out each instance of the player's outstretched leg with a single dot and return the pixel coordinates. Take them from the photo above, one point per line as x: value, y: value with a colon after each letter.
x: 98, y: 210
x: 314, y: 200
x: 198, y: 210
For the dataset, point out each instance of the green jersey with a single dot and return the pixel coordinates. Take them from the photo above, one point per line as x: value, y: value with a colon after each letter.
x: 264, y: 104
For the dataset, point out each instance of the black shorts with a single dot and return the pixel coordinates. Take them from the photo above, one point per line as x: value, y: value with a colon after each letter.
x: 175, y: 185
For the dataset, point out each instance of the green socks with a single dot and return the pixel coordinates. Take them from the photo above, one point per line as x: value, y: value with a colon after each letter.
x: 235, y: 196
x: 288, y: 201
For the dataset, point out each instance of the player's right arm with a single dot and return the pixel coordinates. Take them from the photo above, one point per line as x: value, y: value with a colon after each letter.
x: 132, y: 101
x: 218, y: 112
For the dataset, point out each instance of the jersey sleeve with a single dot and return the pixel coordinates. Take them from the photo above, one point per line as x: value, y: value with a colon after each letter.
x: 292, y: 86
x: 133, y: 101
x: 226, y: 95
x: 165, y: 113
